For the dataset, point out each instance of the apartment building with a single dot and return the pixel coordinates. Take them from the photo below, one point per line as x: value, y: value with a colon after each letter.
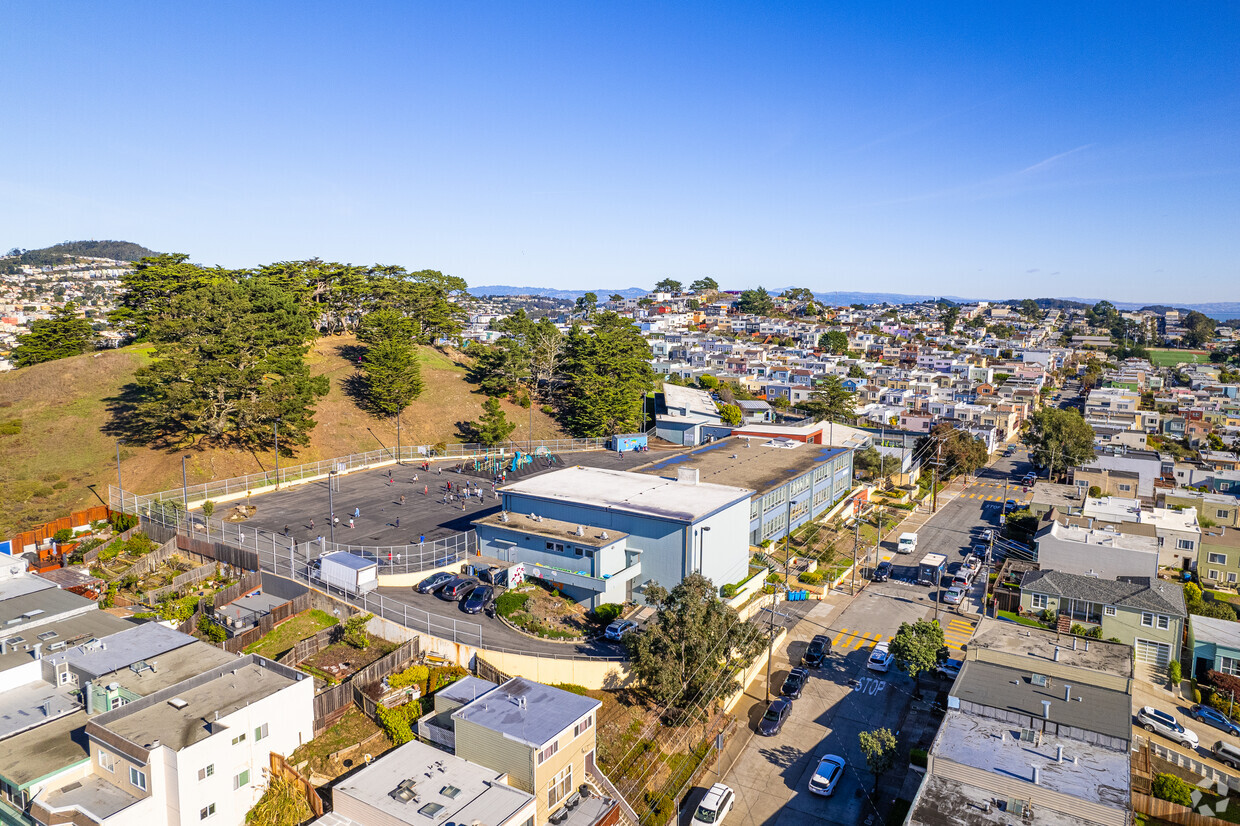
x: 1075, y: 549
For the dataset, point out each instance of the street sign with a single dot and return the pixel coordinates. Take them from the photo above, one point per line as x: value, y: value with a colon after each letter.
x: 719, y: 741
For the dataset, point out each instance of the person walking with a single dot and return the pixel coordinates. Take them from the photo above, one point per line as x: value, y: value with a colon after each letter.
x: 311, y: 524
x: 357, y: 513
x: 286, y: 530
x: 426, y: 490
x: 421, y: 540
x: 398, y: 521
x: 402, y: 498
x: 350, y: 522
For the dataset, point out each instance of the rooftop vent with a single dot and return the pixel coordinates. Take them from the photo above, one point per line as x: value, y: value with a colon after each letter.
x: 405, y: 791
x: 687, y: 475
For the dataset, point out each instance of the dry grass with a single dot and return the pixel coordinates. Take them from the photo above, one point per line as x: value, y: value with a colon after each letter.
x: 60, y: 450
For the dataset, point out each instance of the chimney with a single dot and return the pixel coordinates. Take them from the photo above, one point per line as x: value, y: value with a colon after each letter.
x: 89, y: 693
x: 687, y: 475
x: 1058, y: 754
x: 1057, y: 653
x: 1046, y: 709
x: 1067, y: 692
x: 1036, y: 774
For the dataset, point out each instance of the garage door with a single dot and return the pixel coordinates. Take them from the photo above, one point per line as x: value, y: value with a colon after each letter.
x: 1156, y: 653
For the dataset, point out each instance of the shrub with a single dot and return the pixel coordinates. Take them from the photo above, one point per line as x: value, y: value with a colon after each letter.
x: 607, y: 612
x: 917, y: 757
x: 773, y: 578
x: 411, y: 676
x: 208, y: 508
x: 355, y: 632
x: 547, y: 409
x: 11, y: 428
x: 1225, y: 683
x: 145, y: 615
x: 62, y: 535
x: 729, y: 590
x: 1172, y: 789
x: 510, y: 602
x: 572, y: 688
x: 395, y: 721
x: 810, y: 577
x: 122, y: 522
x: 1094, y: 491
x: 1173, y: 672
x: 1096, y: 632
x: 1047, y: 616
x: 211, y: 629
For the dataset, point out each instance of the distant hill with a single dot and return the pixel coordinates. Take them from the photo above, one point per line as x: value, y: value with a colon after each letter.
x: 571, y: 295
x: 59, y: 253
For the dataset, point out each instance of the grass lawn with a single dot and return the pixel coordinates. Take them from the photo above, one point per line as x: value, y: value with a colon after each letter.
x: 1170, y: 358
x: 286, y: 634
x: 1012, y: 616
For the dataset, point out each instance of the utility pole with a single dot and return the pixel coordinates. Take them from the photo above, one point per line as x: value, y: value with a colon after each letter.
x: 185, y: 495
x: 331, y: 509
x: 856, y: 542
x: 398, y: 437
x: 934, y: 477
x: 770, y: 644
x: 120, y: 486
x: 276, y: 426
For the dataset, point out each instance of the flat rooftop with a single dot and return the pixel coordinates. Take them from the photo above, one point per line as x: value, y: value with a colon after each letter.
x: 171, y: 668
x: 225, y: 689
x: 1039, y: 645
x: 629, y: 492
x: 38, y: 607
x: 21, y: 584
x: 553, y: 529
x: 760, y: 464
x: 33, y: 704
x: 250, y: 608
x: 72, y: 630
x: 526, y: 711
x: 1110, y: 539
x: 944, y: 802
x: 38, y: 752
x: 94, y: 795
x: 466, y: 792
x: 137, y: 643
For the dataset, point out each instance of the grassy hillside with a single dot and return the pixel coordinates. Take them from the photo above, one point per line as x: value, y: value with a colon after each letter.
x: 52, y: 446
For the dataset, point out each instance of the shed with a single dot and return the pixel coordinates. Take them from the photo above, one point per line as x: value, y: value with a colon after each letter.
x: 628, y: 441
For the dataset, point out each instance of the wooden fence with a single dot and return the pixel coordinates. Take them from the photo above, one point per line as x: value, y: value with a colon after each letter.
x: 227, y: 554
x: 303, y: 650
x: 330, y: 706
x: 485, y: 671
x: 181, y: 580
x: 93, y: 554
x: 280, y: 768
x: 1172, y: 812
x: 39, y: 535
x: 250, y: 581
x: 399, y: 659
x: 279, y: 614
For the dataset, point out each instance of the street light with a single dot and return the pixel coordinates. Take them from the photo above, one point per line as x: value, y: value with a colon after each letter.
x: 185, y: 492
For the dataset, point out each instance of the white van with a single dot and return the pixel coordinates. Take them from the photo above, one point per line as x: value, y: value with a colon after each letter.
x: 907, y: 543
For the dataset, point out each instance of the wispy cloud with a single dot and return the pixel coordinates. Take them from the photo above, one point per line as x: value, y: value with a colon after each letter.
x: 1052, y: 160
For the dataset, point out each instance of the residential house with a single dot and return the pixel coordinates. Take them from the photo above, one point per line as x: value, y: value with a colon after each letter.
x: 1215, y: 644
x: 1075, y: 549
x: 1178, y: 531
x: 1211, y: 507
x: 1218, y: 559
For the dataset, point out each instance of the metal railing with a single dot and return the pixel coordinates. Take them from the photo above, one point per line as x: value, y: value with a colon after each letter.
x: 133, y: 503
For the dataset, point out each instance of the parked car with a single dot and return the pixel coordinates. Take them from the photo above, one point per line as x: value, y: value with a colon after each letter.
x: 618, y: 628
x: 714, y: 807
x: 972, y: 564
x: 776, y: 713
x: 962, y: 580
x: 1214, y: 718
x: 794, y: 683
x: 434, y: 581
x: 479, y: 598
x: 948, y: 669
x: 980, y: 550
x: 1163, y: 723
x: 827, y: 775
x: 1029, y: 479
x: 987, y: 535
x: 882, y: 571
x: 880, y: 658
x: 457, y: 588
x: 1226, y: 753
x: 816, y: 654
x: 953, y: 595
x: 1011, y: 505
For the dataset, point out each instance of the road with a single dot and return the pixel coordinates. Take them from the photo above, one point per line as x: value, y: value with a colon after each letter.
x: 845, y: 698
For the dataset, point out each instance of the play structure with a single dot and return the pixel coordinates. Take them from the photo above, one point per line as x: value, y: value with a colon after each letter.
x: 502, y: 465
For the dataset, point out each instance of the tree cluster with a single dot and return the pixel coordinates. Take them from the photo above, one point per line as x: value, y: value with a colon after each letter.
x: 958, y: 450
x: 62, y: 335
x: 1058, y: 439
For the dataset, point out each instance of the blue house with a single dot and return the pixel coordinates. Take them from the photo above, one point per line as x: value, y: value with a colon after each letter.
x: 1215, y: 645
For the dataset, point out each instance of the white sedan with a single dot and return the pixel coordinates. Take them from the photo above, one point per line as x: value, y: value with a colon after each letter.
x: 880, y: 658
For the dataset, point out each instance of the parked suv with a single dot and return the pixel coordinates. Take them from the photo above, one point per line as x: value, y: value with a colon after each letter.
x: 1163, y: 723
x: 714, y: 806
x: 816, y: 654
x: 457, y: 588
x: 882, y: 572
x: 1226, y: 753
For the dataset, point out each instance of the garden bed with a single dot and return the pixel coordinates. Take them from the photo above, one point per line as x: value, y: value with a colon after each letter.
x: 536, y: 608
x: 354, y: 727
x: 338, y: 661
x: 296, y: 628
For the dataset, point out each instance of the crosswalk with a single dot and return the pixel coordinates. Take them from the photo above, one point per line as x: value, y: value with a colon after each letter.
x: 987, y: 497
x: 956, y: 632
x: 847, y: 640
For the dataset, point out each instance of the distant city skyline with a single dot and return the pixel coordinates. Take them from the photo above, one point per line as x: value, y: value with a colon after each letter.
x: 1007, y: 150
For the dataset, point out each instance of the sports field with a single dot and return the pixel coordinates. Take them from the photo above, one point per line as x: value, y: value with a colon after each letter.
x: 1170, y: 358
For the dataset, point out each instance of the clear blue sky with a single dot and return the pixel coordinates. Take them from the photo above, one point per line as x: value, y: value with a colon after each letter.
x: 979, y: 149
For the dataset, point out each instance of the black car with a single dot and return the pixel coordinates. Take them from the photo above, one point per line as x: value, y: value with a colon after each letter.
x: 816, y: 654
x: 478, y: 599
x: 776, y: 713
x: 1011, y: 505
x: 434, y: 581
x: 794, y: 683
x: 457, y: 588
x: 882, y: 572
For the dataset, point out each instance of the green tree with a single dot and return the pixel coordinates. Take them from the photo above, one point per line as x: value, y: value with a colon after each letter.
x: 855, y: 372
x: 616, y: 298
x: 879, y: 748
x: 61, y: 336
x: 1029, y: 309
x: 606, y: 372
x: 1198, y: 329
x: 692, y: 652
x: 668, y: 285
x: 384, y: 324
x: 1059, y: 439
x: 149, y: 292
x: 499, y: 368
x: 229, y: 361
x: 211, y: 629
x: 704, y: 285
x: 587, y: 303
x: 393, y: 376
x: 354, y: 631
x: 492, y: 426
x: 918, y: 648
x: 756, y: 302
x: 834, y: 341
x: 731, y: 415
x: 949, y: 317
x: 1172, y: 789
x: 830, y: 401
x: 874, y: 463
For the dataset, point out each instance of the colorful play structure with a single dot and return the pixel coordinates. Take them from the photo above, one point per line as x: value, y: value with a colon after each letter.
x: 502, y: 464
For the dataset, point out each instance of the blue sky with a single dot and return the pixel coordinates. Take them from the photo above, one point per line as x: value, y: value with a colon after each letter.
x: 978, y: 149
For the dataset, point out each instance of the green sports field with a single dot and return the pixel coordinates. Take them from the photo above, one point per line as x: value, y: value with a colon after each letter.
x: 1170, y: 358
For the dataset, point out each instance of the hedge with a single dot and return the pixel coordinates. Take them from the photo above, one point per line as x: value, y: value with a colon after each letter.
x: 510, y: 602
x: 607, y: 612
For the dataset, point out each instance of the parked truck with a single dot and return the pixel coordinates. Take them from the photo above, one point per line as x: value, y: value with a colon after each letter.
x: 907, y: 543
x: 931, y: 568
x: 350, y: 573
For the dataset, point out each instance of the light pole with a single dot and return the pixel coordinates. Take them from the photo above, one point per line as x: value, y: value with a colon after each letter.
x: 120, y: 486
x: 331, y: 508
x: 276, y: 425
x: 185, y: 493
x: 398, y: 437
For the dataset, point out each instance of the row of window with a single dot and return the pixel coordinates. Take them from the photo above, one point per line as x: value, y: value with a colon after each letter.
x: 551, y: 748
x: 1087, y: 611
x: 1213, y: 574
x: 560, y: 547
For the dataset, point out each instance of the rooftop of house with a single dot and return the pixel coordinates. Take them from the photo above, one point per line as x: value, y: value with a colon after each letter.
x: 689, y: 401
x: 17, y: 646
x: 1139, y: 593
x: 1088, y: 773
x: 552, y: 529
x: 223, y: 690
x: 629, y: 492
x: 37, y: 607
x: 465, y: 690
x: 1220, y: 536
x: 21, y: 584
x: 137, y: 643
x: 1221, y: 632
x: 1116, y: 509
x: 33, y: 704
x: 249, y: 609
x: 1072, y: 531
x: 456, y: 790
x: 171, y: 668
x: 43, y: 750
x: 1057, y: 496
x: 97, y: 796
x: 761, y: 464
x: 1039, y: 644
x: 526, y: 711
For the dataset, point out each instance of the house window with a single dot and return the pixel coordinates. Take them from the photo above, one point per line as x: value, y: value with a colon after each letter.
x: 64, y: 677
x: 1109, y: 610
x: 260, y: 732
x: 206, y: 772
x: 107, y: 761
x: 1231, y: 576
x: 583, y: 726
x: 1213, y: 574
x: 240, y: 738
x: 1228, y: 665
x: 561, y: 786
x: 1216, y: 559
x: 558, y: 547
x: 242, y: 779
x: 1125, y: 488
x: 1039, y: 601
x: 1184, y: 544
x: 546, y: 753
x: 1164, y: 622
x: 137, y: 778
x: 1222, y: 513
x: 579, y: 551
x: 1147, y: 620
x: 206, y: 811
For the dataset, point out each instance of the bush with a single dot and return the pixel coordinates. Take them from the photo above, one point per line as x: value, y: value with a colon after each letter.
x: 547, y: 409
x: 917, y: 757
x: 122, y: 522
x: 607, y: 612
x: 1077, y: 629
x: 355, y: 632
x: 1173, y: 672
x: 11, y: 428
x: 62, y: 535
x: 810, y: 577
x: 1172, y: 789
x: 729, y: 590
x: 411, y: 676
x: 510, y: 602
x: 1047, y: 616
x: 774, y: 578
x: 1094, y: 491
x: 572, y: 688
x: 396, y: 721
x: 211, y: 629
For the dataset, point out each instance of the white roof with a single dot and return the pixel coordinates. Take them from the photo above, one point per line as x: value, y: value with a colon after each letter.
x: 630, y: 492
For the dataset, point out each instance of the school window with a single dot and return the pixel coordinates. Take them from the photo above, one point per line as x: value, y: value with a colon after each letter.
x: 1039, y: 601
x: 1227, y: 665
x: 1184, y: 544
x: 206, y: 771
x: 242, y: 779
x: 260, y: 732
x: 106, y: 761
x: 546, y: 753
x: 240, y: 738
x: 583, y: 726
x: 1217, y: 559
x: 1109, y: 610
x: 206, y: 811
x: 561, y: 786
x: 137, y: 778
x: 558, y: 547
